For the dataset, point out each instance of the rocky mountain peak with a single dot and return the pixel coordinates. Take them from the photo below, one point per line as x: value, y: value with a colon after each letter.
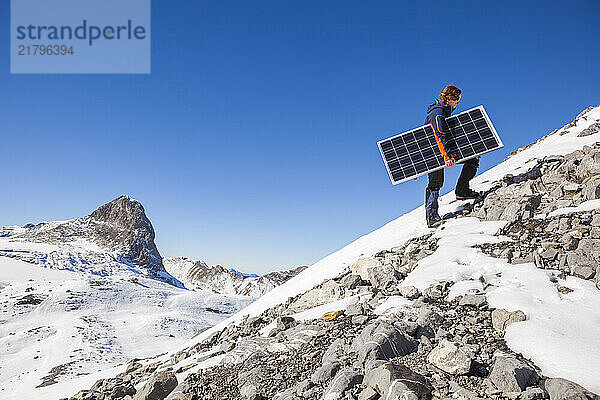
x: 123, y: 212
x: 122, y: 223
x: 121, y: 229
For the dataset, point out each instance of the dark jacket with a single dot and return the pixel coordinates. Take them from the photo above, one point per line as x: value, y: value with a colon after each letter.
x: 436, y: 117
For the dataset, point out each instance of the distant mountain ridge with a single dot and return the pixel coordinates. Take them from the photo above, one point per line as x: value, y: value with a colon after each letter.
x: 197, y: 275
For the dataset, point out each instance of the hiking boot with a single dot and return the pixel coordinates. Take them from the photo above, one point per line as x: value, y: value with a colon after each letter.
x: 469, y: 195
x: 433, y: 220
x: 431, y: 208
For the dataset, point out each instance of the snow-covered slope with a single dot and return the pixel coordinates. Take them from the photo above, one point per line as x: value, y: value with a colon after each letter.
x: 197, y: 275
x: 63, y: 326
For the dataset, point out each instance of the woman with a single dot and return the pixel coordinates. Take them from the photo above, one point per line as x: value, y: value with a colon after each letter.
x: 436, y: 117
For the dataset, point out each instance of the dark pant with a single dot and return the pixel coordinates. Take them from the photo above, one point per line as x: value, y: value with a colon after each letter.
x: 469, y: 169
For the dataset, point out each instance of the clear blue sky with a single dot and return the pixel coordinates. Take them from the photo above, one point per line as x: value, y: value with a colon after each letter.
x: 253, y: 142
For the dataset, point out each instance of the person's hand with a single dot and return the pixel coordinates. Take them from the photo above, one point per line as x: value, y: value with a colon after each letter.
x: 450, y: 162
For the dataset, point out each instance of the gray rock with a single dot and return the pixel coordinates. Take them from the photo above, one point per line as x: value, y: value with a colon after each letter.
x: 362, y: 265
x: 549, y: 254
x: 383, y: 276
x: 501, y: 318
x: 333, y: 352
x: 562, y: 389
x: 564, y: 224
x: 328, y: 292
x: 396, y: 381
x: 591, y: 189
x: 359, y: 319
x: 448, y: 357
x: 584, y: 271
x: 433, y: 292
x: 303, y: 332
x: 577, y: 234
x: 589, y: 247
x: 132, y: 366
x: 570, y: 186
x: 325, y: 372
x: 246, y: 347
x: 372, y: 364
x: 158, y: 386
x: 429, y: 319
x: 463, y: 393
x: 226, y: 346
x: 382, y: 341
x: 179, y: 393
x: 284, y: 323
x: 354, y: 309
x: 409, y: 292
x: 507, y: 253
x: 351, y: 281
x: 249, y: 382
x: 579, y: 260
x: 303, y: 386
x: 512, y: 212
x: 408, y: 327
x: 590, y: 130
x: 344, y: 380
x: 533, y: 393
x: 368, y: 394
x: 562, y: 262
x: 557, y: 193
x: 287, y: 394
x: 114, y: 388
x: 569, y: 242
x: 510, y: 374
x: 589, y: 166
x: 124, y: 224
x: 473, y: 300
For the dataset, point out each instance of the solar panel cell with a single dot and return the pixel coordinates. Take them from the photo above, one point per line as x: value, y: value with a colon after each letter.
x: 486, y: 133
x: 476, y: 113
x: 387, y: 146
x: 469, y: 127
x: 480, y: 123
x: 463, y: 118
x: 452, y: 123
x: 491, y: 143
x: 428, y: 153
x: 479, y: 147
x: 394, y: 165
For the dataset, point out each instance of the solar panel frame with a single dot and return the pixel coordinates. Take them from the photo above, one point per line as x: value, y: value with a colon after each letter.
x: 426, y: 136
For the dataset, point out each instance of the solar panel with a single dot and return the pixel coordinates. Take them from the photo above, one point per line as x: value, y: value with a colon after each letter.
x: 415, y: 153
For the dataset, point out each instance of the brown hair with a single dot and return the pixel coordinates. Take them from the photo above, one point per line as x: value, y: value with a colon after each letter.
x: 450, y: 93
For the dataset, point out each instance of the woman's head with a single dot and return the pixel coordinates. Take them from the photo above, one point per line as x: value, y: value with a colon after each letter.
x: 451, y: 95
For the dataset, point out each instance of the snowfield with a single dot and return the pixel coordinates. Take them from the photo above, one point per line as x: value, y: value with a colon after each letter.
x: 88, y: 324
